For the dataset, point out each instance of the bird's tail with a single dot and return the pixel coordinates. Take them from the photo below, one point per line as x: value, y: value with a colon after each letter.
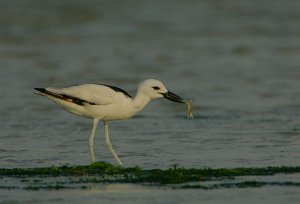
x: 40, y: 91
x: 45, y: 92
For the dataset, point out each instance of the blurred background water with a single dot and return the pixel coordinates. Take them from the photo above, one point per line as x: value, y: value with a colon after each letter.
x: 237, y: 60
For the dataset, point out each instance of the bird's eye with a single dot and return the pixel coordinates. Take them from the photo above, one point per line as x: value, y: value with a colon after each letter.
x: 155, y: 87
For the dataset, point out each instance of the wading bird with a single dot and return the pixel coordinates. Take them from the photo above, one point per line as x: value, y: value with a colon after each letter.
x: 106, y: 103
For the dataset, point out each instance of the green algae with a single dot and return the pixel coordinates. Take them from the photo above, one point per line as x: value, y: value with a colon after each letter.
x: 245, y: 184
x: 112, y: 173
x: 81, y: 177
x: 99, y: 168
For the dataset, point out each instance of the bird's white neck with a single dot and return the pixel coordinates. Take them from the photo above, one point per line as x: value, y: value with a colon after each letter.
x: 140, y: 101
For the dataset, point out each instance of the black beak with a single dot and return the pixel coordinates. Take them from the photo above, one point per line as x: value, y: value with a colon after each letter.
x: 173, y: 97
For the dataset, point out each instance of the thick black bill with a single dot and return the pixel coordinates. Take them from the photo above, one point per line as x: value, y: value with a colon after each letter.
x: 173, y: 97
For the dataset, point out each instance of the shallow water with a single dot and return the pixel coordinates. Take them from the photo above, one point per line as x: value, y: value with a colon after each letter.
x: 238, y: 61
x: 127, y: 193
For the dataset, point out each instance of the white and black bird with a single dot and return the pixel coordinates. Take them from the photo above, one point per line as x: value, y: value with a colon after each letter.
x: 106, y: 103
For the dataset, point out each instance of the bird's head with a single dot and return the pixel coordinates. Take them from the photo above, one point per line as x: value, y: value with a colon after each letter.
x: 155, y: 89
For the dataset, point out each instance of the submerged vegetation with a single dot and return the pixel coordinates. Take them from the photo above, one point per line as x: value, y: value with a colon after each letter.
x: 62, y: 177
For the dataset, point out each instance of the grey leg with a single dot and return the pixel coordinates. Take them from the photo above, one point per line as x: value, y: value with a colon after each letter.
x: 91, y: 141
x: 109, y: 145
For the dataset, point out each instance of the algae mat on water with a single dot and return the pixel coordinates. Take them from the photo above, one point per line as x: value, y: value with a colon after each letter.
x: 70, y: 177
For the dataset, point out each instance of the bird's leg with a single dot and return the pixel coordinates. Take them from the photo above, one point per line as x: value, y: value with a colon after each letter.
x: 91, y: 141
x: 109, y: 145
